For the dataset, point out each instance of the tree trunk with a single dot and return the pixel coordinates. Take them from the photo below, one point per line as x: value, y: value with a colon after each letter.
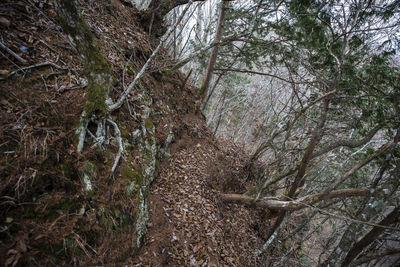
x: 214, y: 51
x: 301, y: 170
x: 96, y: 68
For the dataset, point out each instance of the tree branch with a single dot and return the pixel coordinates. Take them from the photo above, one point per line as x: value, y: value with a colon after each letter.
x: 348, y: 143
x: 294, y: 204
x: 201, y: 51
x: 262, y: 74
x: 20, y: 59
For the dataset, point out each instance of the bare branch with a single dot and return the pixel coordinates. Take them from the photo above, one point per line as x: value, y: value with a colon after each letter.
x: 263, y: 74
x: 20, y: 59
x: 348, y: 143
x: 294, y: 204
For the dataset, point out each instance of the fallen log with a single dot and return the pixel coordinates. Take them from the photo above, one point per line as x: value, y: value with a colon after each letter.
x: 274, y: 204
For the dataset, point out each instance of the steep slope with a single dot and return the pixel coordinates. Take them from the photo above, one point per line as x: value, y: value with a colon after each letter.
x: 60, y: 207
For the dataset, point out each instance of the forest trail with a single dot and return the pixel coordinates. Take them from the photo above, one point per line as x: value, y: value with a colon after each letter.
x: 189, y: 226
x: 66, y: 225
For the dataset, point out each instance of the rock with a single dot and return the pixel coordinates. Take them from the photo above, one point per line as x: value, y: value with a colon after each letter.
x: 5, y: 22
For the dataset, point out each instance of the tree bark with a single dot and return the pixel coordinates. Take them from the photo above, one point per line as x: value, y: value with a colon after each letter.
x: 96, y: 68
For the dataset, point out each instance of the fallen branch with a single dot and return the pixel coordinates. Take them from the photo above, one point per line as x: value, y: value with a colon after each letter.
x: 32, y: 67
x: 297, y: 204
x: 20, y: 59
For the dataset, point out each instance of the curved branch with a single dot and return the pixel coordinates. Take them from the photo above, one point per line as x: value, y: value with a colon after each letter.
x: 287, y: 126
x: 359, y: 165
x: 348, y: 143
x: 117, y: 134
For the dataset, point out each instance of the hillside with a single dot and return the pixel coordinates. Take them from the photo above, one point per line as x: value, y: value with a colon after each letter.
x: 162, y: 204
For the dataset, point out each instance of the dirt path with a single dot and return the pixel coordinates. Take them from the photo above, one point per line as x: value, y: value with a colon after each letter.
x: 189, y: 225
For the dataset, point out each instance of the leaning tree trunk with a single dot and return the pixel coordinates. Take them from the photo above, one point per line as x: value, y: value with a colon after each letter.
x: 96, y: 68
x: 301, y: 170
x: 214, y: 51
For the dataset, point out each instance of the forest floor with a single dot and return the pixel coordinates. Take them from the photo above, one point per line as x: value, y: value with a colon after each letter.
x: 190, y: 226
x: 47, y: 219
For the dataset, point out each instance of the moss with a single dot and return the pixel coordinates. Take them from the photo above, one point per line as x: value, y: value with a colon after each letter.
x: 124, y: 130
x: 135, y: 177
x: 107, y: 219
x: 149, y: 125
x: 202, y: 91
x: 96, y: 68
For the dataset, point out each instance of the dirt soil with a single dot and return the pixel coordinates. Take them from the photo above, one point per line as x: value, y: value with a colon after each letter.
x: 46, y: 218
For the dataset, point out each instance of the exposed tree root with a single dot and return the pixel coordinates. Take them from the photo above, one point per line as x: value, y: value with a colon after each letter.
x: 101, y: 136
x: 81, y: 131
x: 117, y: 134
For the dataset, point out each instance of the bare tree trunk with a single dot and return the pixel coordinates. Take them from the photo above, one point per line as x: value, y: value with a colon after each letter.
x: 214, y: 51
